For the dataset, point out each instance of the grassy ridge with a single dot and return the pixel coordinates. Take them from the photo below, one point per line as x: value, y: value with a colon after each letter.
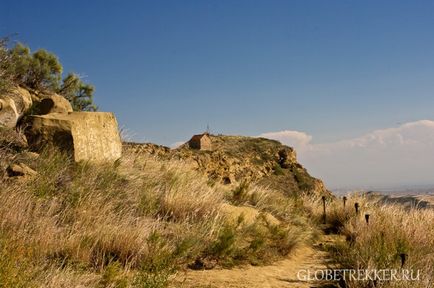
x: 132, y: 224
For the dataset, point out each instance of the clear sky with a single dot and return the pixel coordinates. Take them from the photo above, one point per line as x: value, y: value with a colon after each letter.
x: 336, y: 70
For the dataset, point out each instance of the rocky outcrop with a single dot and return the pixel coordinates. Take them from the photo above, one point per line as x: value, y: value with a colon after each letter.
x: 20, y: 170
x: 235, y: 159
x: 13, y: 105
x: 9, y: 115
x: 287, y: 157
x: 88, y: 136
x: 52, y: 103
x: 18, y: 101
x: 146, y: 148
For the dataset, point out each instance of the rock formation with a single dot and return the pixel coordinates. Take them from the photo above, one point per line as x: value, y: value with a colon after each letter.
x: 88, y: 136
x: 52, y: 103
x: 20, y: 170
x: 234, y: 159
x: 13, y: 105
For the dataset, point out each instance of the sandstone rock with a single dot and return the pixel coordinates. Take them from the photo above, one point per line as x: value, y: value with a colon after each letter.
x: 52, y: 103
x: 22, y: 98
x: 235, y: 159
x: 20, y: 169
x: 13, y: 105
x: 146, y: 148
x: 286, y: 157
x: 87, y: 136
x: 8, y: 113
x: 30, y: 155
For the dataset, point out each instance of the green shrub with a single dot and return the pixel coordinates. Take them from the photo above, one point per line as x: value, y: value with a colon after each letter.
x: 304, y: 181
x: 240, y: 194
x: 112, y: 276
x: 278, y: 170
x: 257, y: 243
x: 224, y: 246
x: 158, y: 266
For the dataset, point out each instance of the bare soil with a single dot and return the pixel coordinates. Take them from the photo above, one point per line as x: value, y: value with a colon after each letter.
x: 281, y: 274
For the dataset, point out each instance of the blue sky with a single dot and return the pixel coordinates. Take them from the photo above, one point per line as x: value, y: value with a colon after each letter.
x: 332, y: 69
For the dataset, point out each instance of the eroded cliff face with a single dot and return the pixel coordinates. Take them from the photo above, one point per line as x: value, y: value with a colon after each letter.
x: 234, y: 159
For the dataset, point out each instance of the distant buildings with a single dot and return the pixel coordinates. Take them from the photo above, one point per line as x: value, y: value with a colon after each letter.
x: 201, y: 142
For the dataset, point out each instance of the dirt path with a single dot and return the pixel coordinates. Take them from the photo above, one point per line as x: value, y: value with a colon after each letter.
x: 280, y: 274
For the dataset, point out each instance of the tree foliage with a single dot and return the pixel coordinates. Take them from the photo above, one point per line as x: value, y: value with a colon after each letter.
x: 42, y: 71
x: 79, y: 94
x: 6, y: 74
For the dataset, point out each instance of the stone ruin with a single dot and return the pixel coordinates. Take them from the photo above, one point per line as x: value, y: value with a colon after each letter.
x: 86, y: 136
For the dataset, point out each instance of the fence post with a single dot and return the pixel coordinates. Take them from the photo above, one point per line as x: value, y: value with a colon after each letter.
x: 324, y: 209
x: 367, y: 218
x: 356, y: 205
x: 345, y: 201
x: 403, y: 259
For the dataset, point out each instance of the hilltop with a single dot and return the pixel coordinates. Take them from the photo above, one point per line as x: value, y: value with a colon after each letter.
x: 236, y: 159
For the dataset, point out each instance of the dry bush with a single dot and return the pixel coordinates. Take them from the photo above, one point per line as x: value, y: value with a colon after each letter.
x: 392, y: 230
x: 258, y: 243
x: 82, y: 216
x: 128, y: 224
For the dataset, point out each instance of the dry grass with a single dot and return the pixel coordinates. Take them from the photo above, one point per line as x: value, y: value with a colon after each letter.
x: 131, y: 224
x: 392, y: 230
x: 82, y: 217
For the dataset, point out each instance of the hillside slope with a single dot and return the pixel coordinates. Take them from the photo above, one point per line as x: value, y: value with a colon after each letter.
x: 155, y: 211
x: 237, y: 159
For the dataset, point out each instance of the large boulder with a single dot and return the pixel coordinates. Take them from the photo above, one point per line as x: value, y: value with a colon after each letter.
x: 87, y: 136
x: 52, y: 103
x: 8, y: 113
x: 13, y: 105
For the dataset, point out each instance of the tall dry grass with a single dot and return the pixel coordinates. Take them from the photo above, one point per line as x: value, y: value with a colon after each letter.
x: 393, y: 230
x: 130, y: 224
x: 85, y: 217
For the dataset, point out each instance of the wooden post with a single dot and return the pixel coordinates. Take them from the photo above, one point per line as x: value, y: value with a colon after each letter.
x: 367, y: 218
x: 403, y: 259
x: 356, y: 205
x: 345, y: 201
x: 324, y: 209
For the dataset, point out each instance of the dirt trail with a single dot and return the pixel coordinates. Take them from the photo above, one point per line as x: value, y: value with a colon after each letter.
x: 281, y: 274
